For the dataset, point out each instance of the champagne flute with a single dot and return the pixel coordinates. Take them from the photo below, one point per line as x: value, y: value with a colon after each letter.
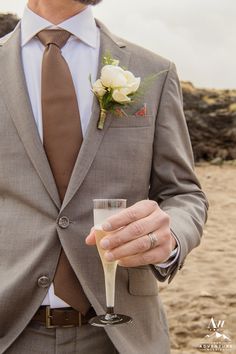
x: 103, y: 208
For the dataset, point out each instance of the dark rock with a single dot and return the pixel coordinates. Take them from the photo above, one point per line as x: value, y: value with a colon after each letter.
x: 211, y: 119
x: 7, y: 23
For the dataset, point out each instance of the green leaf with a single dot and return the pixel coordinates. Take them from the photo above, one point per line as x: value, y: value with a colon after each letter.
x: 109, y: 60
x: 145, y: 85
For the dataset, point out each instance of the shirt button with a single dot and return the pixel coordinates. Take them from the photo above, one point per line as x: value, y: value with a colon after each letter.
x: 43, y: 282
x: 64, y: 222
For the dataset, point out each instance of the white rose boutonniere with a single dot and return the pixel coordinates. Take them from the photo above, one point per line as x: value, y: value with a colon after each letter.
x: 116, y: 86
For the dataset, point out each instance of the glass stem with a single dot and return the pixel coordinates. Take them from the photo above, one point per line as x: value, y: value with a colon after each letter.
x: 110, y: 314
x: 110, y: 276
x: 110, y: 310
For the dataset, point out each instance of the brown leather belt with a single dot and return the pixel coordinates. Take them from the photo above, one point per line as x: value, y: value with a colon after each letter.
x: 62, y: 317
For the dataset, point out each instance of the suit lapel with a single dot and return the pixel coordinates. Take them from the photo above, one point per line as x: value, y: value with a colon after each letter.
x: 94, y: 137
x: 14, y: 92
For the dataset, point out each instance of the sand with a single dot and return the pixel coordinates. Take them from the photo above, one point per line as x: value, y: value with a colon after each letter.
x: 206, y: 286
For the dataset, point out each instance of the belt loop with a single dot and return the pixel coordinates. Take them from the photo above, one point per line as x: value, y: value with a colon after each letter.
x: 80, y: 319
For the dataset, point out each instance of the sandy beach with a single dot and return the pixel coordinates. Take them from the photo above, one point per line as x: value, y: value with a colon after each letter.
x: 206, y: 286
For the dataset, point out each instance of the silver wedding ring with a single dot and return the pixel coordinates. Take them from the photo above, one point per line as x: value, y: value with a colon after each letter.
x: 153, y: 240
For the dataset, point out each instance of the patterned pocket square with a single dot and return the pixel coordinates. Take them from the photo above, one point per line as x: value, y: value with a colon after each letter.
x: 120, y: 113
x: 142, y: 112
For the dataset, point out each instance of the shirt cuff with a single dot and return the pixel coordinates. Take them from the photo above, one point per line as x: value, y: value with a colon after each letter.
x: 172, y: 259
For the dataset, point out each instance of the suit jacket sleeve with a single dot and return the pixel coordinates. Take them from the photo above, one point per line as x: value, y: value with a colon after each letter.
x: 173, y: 183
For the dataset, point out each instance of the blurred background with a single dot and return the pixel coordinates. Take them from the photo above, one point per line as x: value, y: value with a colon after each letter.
x: 199, y: 36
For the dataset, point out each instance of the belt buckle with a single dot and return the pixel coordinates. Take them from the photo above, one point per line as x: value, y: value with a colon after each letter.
x: 49, y: 319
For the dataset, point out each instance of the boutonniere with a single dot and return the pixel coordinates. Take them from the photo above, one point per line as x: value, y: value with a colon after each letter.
x: 116, y: 87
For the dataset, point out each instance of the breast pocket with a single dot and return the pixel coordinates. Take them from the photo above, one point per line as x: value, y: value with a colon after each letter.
x: 141, y: 282
x: 131, y: 121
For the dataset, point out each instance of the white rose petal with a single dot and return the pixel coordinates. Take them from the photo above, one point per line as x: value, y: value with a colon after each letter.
x: 113, y: 76
x: 129, y: 76
x: 135, y: 85
x: 133, y: 82
x: 98, y: 88
x: 120, y: 96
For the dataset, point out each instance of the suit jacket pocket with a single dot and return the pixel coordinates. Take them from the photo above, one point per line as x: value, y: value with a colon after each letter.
x: 131, y: 121
x: 142, y: 282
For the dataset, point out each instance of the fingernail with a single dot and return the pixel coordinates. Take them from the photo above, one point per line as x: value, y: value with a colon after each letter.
x: 106, y: 226
x: 105, y: 243
x: 109, y: 256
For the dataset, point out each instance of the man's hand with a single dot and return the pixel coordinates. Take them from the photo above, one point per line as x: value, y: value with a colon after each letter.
x: 129, y: 241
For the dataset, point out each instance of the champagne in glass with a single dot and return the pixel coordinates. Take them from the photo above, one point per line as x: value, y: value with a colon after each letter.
x: 103, y: 208
x: 109, y: 269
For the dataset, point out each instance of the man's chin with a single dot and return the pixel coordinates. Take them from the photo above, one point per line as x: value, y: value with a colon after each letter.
x: 89, y: 2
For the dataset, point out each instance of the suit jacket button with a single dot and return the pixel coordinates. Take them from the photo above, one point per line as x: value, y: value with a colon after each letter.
x: 43, y: 282
x: 64, y: 222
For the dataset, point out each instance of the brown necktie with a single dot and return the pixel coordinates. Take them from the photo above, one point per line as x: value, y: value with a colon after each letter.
x: 62, y: 139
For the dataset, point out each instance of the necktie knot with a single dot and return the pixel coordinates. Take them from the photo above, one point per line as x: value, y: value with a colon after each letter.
x: 56, y: 37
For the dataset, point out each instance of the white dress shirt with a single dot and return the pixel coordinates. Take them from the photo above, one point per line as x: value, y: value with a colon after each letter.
x: 81, y: 53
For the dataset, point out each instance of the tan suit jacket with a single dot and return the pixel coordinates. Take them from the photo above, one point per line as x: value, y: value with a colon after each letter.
x: 133, y: 157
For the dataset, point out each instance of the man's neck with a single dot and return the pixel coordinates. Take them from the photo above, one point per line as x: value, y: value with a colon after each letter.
x: 56, y: 11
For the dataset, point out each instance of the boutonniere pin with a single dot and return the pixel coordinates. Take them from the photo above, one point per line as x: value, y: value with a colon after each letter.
x: 116, y: 87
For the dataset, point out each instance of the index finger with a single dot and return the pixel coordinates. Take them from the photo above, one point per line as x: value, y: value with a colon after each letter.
x: 125, y: 217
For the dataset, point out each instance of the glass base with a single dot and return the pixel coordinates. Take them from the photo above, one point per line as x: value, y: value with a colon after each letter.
x: 109, y: 320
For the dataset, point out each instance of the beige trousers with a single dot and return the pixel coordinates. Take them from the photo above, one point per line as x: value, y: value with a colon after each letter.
x: 36, y: 339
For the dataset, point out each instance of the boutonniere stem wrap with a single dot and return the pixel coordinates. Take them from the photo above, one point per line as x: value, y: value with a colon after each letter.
x: 116, y: 87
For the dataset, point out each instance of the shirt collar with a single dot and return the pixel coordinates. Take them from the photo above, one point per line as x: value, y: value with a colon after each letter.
x: 82, y: 26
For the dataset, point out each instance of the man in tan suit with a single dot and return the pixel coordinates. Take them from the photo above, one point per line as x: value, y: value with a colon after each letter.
x: 54, y: 162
